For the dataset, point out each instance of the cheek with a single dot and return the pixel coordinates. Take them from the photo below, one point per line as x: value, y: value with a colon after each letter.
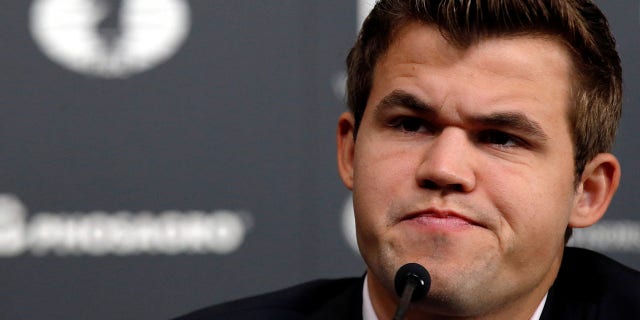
x: 381, y: 176
x: 534, y: 206
x: 383, y: 170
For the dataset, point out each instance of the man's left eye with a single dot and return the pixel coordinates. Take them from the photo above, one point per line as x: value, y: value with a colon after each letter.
x: 499, y: 138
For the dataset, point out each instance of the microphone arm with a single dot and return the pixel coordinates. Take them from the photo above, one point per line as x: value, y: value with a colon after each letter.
x: 412, y: 282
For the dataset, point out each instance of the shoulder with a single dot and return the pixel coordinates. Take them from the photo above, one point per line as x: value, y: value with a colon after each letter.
x: 298, y: 302
x: 595, y: 269
x: 593, y: 284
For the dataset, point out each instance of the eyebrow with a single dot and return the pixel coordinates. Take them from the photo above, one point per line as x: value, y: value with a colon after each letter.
x: 511, y: 120
x: 400, y: 98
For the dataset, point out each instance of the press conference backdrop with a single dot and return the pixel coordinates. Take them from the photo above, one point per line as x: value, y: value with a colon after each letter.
x: 157, y: 156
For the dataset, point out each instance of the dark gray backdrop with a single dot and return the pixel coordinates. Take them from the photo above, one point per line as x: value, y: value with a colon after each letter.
x: 241, y: 118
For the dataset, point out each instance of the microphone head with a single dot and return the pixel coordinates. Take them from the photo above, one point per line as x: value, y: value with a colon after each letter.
x: 418, y: 274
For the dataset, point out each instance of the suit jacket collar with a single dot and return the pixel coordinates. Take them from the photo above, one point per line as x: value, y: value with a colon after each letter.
x: 347, y: 305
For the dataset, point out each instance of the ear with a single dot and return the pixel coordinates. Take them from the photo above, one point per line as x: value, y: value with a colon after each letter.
x: 346, y: 146
x: 598, y: 183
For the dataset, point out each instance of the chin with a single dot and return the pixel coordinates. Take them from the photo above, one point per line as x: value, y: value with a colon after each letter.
x: 451, y: 301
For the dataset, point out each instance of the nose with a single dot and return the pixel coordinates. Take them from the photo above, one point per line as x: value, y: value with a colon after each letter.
x: 447, y: 164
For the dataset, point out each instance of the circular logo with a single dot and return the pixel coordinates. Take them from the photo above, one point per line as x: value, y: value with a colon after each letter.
x: 349, y: 223
x: 109, y: 38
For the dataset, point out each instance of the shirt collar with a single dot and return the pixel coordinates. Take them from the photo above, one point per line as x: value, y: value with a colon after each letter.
x: 367, y: 308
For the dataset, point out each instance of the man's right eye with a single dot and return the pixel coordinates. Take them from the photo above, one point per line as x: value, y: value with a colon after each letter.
x: 409, y: 124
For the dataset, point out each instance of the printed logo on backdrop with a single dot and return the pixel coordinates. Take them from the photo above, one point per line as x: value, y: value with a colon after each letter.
x: 121, y: 233
x: 109, y: 38
x: 349, y: 223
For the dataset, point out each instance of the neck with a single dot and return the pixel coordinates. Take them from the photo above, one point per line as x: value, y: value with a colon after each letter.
x: 385, y: 303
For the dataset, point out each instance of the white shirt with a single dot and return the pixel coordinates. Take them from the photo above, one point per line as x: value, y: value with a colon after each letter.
x: 369, y: 314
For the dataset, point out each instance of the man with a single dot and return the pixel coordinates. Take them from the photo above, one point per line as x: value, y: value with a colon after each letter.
x: 477, y: 138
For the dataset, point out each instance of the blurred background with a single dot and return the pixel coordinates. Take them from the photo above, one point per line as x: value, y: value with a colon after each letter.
x: 157, y: 156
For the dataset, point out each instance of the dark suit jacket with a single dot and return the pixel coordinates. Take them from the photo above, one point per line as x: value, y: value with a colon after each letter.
x: 589, y: 286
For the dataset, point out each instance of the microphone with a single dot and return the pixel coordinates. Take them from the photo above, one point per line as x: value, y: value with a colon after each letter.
x: 412, y: 283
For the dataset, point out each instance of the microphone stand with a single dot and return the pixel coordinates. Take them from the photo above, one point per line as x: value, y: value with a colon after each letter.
x: 405, y: 299
x: 412, y: 282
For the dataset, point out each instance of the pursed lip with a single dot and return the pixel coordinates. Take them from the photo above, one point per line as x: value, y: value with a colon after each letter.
x: 440, y: 214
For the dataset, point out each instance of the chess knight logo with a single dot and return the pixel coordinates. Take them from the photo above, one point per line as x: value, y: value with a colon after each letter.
x: 109, y: 38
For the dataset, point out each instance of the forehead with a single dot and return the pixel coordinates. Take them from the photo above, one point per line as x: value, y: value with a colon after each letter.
x: 526, y: 66
x: 424, y: 43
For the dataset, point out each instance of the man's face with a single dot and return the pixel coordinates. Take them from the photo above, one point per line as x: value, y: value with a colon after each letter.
x: 463, y: 163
